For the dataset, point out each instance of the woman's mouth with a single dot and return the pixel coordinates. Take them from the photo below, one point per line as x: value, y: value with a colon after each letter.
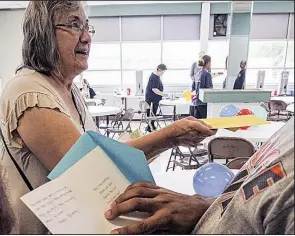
x: 82, y: 52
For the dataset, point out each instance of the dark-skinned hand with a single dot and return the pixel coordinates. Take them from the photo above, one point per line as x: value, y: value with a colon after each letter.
x: 169, y: 212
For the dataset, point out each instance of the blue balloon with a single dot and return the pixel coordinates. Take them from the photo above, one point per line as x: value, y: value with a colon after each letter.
x: 260, y: 112
x: 211, y: 179
x: 229, y: 111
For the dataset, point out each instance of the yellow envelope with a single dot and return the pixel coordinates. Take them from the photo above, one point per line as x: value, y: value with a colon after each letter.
x: 232, y: 123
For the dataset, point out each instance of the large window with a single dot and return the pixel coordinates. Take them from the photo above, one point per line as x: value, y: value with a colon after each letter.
x: 104, y: 56
x: 177, y: 77
x: 218, y: 80
x: 129, y: 79
x: 218, y: 50
x: 103, y: 77
x: 266, y: 54
x: 180, y: 54
x: 138, y: 56
x: 271, y: 81
x: 290, y: 55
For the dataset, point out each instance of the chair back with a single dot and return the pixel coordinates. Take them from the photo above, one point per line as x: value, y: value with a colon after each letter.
x: 229, y: 148
x: 277, y: 105
x: 117, y: 121
x: 128, y: 114
x: 143, y: 106
x: 237, y: 163
x: 103, y: 101
x: 264, y: 105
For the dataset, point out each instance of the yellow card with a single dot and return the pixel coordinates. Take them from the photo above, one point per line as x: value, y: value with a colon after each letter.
x: 234, y: 122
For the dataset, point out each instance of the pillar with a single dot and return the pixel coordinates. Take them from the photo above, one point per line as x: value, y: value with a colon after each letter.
x: 241, y: 13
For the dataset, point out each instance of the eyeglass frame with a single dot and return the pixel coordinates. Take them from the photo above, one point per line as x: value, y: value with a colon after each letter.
x: 81, y: 28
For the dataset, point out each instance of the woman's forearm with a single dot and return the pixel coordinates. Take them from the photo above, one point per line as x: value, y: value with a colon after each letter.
x: 158, y: 92
x: 154, y: 143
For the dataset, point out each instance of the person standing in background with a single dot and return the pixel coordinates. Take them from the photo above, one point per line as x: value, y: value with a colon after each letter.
x: 195, y: 68
x: 202, y: 80
x: 225, y: 79
x: 86, y: 90
x: 154, y: 92
x: 240, y: 80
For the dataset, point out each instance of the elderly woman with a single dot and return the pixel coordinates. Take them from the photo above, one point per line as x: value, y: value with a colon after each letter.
x: 42, y: 111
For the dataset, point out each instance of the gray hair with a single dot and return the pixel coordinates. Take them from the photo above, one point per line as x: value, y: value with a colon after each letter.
x: 39, y: 49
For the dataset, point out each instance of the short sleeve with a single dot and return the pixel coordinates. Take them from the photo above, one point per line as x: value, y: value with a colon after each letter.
x: 23, y: 92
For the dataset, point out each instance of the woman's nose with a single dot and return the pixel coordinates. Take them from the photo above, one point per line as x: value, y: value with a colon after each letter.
x: 85, y: 37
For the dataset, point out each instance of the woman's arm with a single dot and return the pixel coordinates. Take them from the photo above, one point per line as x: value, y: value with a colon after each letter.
x: 158, y: 92
x: 186, y: 132
x: 154, y: 143
x: 49, y: 134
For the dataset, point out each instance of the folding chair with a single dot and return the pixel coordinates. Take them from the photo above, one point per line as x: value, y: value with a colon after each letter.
x: 143, y: 107
x: 119, y: 129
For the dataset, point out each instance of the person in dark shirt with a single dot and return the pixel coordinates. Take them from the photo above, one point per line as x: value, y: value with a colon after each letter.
x: 202, y: 80
x: 89, y: 91
x: 240, y: 80
x: 154, y: 92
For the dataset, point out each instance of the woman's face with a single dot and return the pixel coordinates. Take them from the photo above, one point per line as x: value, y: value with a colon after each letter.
x: 73, y: 45
x: 161, y: 72
x: 208, y: 66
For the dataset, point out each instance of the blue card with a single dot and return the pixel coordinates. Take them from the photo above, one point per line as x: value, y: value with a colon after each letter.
x: 130, y: 161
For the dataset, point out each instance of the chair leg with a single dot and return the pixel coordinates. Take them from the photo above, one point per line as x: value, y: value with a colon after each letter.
x: 168, y: 165
x: 140, y: 121
x: 175, y: 155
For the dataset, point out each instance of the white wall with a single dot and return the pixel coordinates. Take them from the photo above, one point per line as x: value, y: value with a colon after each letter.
x: 11, y: 39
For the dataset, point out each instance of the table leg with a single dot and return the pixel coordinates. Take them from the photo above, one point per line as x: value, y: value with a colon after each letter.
x: 125, y: 101
x: 97, y: 121
x: 174, y: 113
x: 108, y: 121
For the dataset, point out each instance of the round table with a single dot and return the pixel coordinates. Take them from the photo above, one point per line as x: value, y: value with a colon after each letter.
x: 254, y: 134
x: 98, y: 111
x: 95, y: 100
x: 287, y: 99
x: 180, y: 106
x: 103, y: 110
x: 180, y: 181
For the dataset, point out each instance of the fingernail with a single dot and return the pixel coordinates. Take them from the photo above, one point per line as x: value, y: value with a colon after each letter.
x: 108, y: 213
x: 114, y: 232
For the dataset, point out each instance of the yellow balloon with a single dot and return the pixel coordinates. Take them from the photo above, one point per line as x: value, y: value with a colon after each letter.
x: 187, y: 95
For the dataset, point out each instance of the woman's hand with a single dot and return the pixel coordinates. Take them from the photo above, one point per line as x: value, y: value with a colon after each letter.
x: 189, y: 132
x: 170, y: 212
x: 186, y: 132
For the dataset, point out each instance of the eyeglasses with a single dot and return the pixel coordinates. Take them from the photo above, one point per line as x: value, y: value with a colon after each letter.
x: 75, y: 26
